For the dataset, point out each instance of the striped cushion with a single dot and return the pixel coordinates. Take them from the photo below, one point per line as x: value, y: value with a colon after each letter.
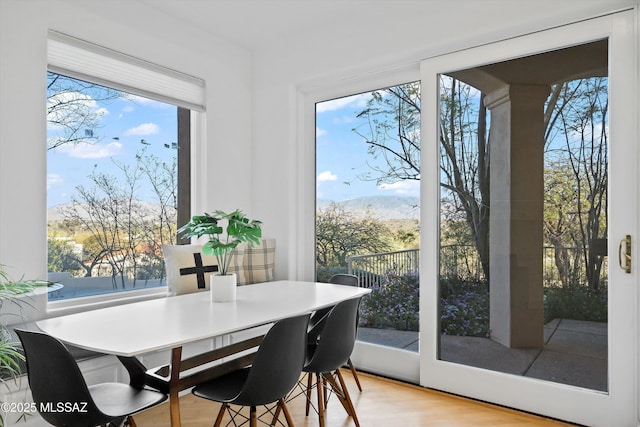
x: 256, y: 263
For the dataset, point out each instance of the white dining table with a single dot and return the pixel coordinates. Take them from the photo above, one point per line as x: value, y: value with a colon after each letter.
x: 169, y: 323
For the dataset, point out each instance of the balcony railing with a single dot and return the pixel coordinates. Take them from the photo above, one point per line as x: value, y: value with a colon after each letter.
x: 460, y: 262
x: 371, y: 268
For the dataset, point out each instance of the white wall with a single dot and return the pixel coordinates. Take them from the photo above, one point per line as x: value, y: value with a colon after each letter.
x: 23, y: 62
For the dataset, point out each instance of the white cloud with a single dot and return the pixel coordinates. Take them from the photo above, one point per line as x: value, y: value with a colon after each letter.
x: 53, y: 179
x: 84, y: 150
x: 320, y: 132
x: 405, y: 188
x: 344, y: 120
x: 335, y: 104
x: 126, y: 110
x: 54, y: 127
x: 101, y: 111
x: 143, y: 129
x: 63, y: 105
x: 326, y: 176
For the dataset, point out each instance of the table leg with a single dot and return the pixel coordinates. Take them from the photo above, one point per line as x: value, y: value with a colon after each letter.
x: 174, y: 387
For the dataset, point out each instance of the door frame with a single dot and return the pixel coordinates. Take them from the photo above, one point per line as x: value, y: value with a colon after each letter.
x: 619, y: 405
x: 366, y: 356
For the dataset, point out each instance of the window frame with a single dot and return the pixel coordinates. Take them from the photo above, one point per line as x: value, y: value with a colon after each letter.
x: 307, y: 96
x: 190, y: 126
x: 368, y: 356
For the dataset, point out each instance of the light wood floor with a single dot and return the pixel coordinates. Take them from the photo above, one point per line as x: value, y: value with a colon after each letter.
x: 382, y: 403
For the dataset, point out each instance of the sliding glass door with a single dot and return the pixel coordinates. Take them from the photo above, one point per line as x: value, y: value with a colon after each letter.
x: 530, y: 171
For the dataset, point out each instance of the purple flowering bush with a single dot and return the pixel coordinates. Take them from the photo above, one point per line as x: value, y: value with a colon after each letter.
x: 464, y: 308
x: 394, y: 304
x: 464, y: 305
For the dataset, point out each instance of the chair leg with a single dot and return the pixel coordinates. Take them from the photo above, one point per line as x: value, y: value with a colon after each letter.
x: 287, y: 415
x: 253, y: 417
x: 308, y: 392
x: 338, y: 392
x: 130, y: 421
x: 324, y: 388
x: 223, y: 409
x: 348, y: 399
x: 276, y: 414
x: 321, y: 392
x: 355, y: 373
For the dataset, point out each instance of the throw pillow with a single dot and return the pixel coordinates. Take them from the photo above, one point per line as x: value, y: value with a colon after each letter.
x: 257, y: 262
x: 187, y: 268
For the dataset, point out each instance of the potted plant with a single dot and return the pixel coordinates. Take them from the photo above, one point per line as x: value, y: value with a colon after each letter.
x: 221, y: 243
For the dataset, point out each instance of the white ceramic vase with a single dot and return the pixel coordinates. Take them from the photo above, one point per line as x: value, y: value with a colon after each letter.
x: 223, y: 288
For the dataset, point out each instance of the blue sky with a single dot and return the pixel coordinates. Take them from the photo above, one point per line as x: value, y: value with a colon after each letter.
x: 341, y: 154
x: 124, y: 124
x: 341, y: 157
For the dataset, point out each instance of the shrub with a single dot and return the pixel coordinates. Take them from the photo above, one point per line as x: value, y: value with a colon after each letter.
x: 575, y: 302
x: 464, y: 308
x: 464, y: 305
x: 394, y: 304
x: 323, y: 274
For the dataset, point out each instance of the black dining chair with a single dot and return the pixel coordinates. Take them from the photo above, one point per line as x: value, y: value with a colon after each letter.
x: 62, y: 396
x: 275, y: 370
x: 316, y: 322
x: 344, y: 279
x: 326, y: 356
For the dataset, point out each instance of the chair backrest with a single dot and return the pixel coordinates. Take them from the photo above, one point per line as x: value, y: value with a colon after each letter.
x: 344, y: 279
x: 338, y: 336
x: 55, y: 379
x: 277, y: 364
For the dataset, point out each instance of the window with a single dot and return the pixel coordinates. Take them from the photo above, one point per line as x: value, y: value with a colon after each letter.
x: 367, y: 205
x: 118, y: 160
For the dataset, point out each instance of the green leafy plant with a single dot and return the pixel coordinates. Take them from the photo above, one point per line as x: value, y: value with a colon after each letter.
x: 12, y: 291
x: 575, y: 301
x: 223, y: 240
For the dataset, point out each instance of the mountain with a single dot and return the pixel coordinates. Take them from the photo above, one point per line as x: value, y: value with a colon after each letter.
x: 382, y: 207
x: 145, y: 210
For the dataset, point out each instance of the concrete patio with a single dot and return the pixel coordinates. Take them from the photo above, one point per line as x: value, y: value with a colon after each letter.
x: 575, y: 352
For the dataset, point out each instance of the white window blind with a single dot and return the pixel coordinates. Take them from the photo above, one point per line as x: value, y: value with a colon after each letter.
x: 96, y: 64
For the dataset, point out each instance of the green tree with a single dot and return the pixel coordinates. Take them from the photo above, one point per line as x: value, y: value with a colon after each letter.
x: 577, y: 141
x: 575, y: 114
x: 126, y: 234
x: 341, y: 234
x: 464, y: 161
x: 392, y: 130
x: 61, y: 256
x: 560, y: 220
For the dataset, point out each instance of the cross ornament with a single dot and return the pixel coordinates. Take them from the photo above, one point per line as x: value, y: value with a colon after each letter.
x: 199, y: 270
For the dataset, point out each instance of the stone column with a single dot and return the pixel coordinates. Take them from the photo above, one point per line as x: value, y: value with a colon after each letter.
x: 516, y: 154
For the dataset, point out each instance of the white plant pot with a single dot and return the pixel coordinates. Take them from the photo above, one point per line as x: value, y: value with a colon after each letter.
x: 223, y: 288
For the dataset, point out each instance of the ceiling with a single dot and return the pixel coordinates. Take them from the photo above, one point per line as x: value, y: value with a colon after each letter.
x: 258, y: 24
